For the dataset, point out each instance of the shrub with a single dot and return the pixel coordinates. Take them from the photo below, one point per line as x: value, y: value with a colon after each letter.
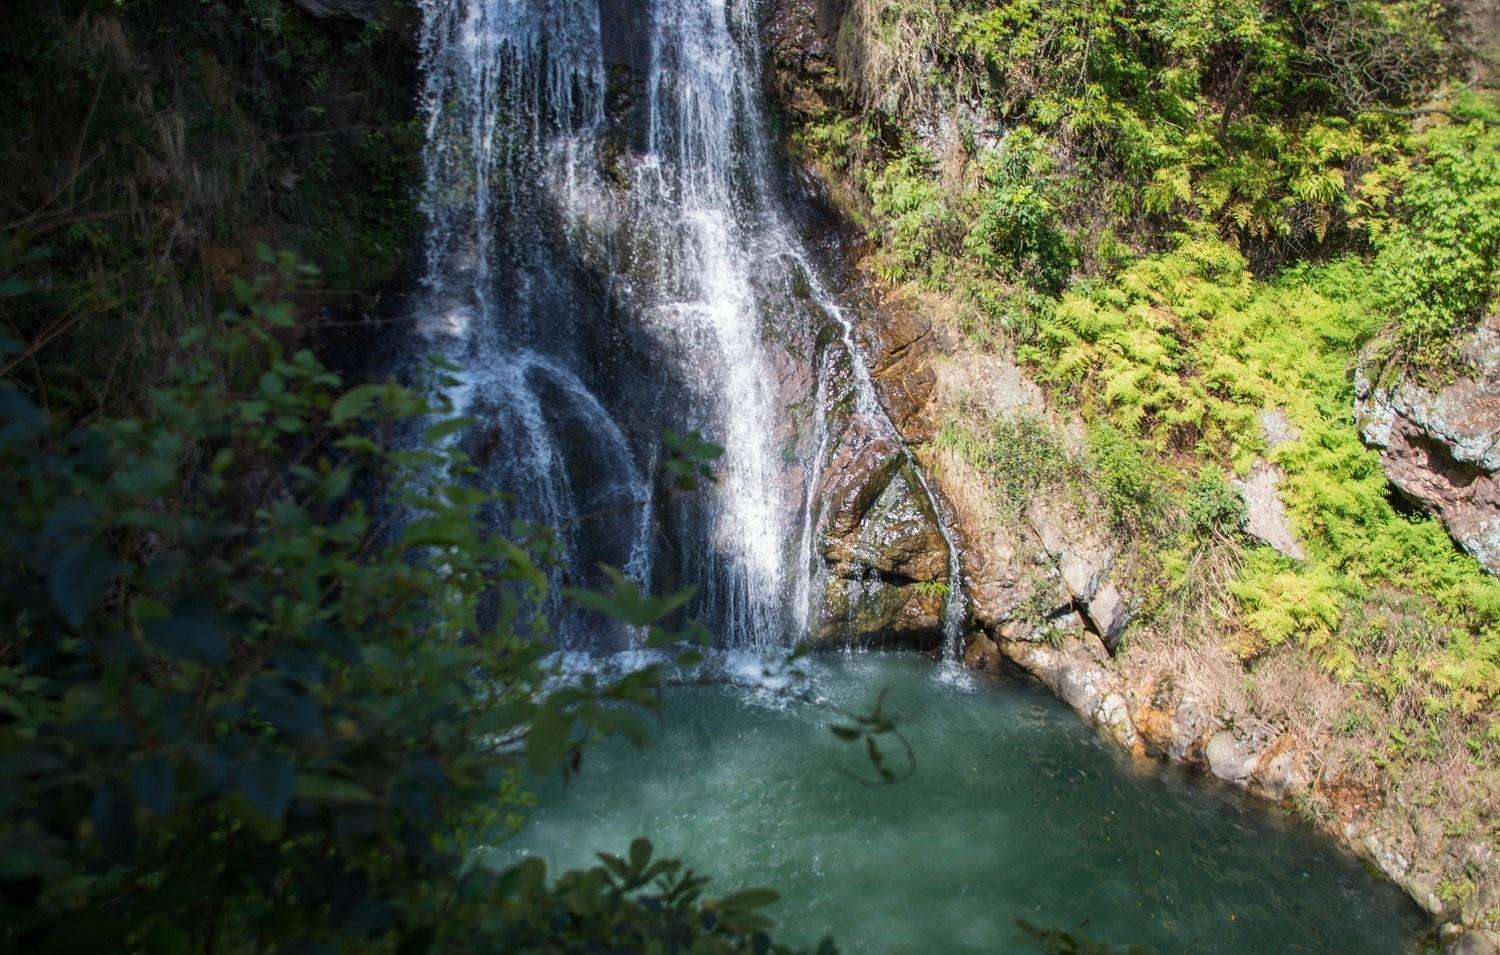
x: 1441, y: 259
x: 1214, y: 509
x: 1020, y: 457
x: 1016, y: 229
x: 245, y: 707
x: 914, y: 214
x: 1130, y: 480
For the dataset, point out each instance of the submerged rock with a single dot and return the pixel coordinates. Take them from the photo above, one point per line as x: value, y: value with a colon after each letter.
x: 1440, y: 445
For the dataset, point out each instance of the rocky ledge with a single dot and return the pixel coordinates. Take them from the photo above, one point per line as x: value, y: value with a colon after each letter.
x: 1440, y: 444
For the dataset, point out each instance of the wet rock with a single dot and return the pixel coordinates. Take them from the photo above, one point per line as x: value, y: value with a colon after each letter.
x: 866, y: 611
x: 1279, y: 770
x: 982, y: 653
x: 1440, y: 444
x: 1077, y: 672
x: 1152, y: 717
x: 858, y: 472
x: 899, y: 536
x: 1265, y: 516
x: 625, y: 33
x: 886, y: 560
x: 902, y: 353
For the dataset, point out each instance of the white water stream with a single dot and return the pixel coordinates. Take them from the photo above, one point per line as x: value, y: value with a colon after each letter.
x: 562, y: 238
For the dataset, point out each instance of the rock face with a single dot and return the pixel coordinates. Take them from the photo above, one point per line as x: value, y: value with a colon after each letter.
x: 1049, y: 585
x: 887, y: 580
x: 884, y: 556
x: 365, y: 11
x: 1440, y: 445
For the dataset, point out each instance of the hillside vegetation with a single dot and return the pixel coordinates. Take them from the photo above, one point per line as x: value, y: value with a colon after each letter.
x: 1179, y: 215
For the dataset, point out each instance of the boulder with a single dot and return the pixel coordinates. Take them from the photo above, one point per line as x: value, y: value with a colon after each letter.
x: 1085, y: 561
x: 1440, y: 443
x: 1475, y: 942
x: 1265, y: 517
x: 886, y: 559
x: 982, y: 653
x: 1232, y: 756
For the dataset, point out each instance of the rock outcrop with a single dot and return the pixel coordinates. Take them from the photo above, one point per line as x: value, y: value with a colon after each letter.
x: 1265, y: 515
x: 1440, y: 444
x: 1049, y: 585
x: 365, y: 11
x: 884, y: 556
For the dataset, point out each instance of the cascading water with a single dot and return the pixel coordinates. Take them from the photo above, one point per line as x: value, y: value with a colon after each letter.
x: 607, y: 256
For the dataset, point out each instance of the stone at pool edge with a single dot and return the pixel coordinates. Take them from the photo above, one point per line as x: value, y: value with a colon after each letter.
x: 1474, y: 942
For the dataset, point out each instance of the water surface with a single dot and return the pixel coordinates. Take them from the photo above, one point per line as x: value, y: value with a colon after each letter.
x: 1014, y: 811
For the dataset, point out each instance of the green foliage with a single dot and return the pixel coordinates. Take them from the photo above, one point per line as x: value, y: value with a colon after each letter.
x: 1280, y: 603
x: 1016, y: 228
x: 931, y: 588
x: 914, y: 211
x: 1440, y: 260
x: 1278, y: 127
x: 1131, y: 348
x: 1129, y: 479
x: 1021, y: 456
x: 246, y: 707
x: 152, y: 146
x: 1213, y: 508
x: 1185, y: 350
x: 635, y: 903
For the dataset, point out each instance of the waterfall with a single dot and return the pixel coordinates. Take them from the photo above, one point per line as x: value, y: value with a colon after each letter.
x: 607, y: 254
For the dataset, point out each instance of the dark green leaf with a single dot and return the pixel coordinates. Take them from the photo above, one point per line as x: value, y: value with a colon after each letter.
x: 549, y: 737
x: 747, y: 900
x: 447, y: 427
x: 267, y: 781
x: 153, y: 780
x: 285, y: 706
x: 640, y: 854
x: 316, y: 787
x: 113, y: 820
x: 194, y: 631
x: 80, y: 576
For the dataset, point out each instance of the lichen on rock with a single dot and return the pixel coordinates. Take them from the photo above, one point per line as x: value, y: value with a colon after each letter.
x: 1440, y: 443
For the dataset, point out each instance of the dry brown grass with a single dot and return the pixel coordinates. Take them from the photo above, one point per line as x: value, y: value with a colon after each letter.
x: 889, y: 51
